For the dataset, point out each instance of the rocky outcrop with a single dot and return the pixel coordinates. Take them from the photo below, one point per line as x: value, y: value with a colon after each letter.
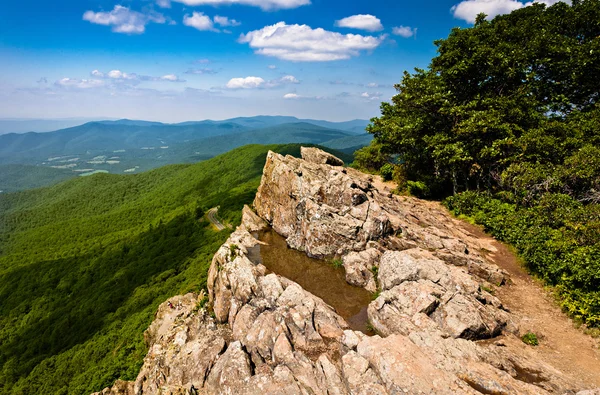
x: 438, y: 330
x: 327, y: 210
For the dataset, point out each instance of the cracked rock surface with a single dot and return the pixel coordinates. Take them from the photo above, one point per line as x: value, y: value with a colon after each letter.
x: 438, y: 330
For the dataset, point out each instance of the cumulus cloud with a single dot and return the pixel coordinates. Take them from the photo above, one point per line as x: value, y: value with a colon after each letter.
x: 123, y: 20
x: 132, y: 78
x: 117, y: 75
x: 295, y: 96
x: 200, y: 22
x: 266, y: 5
x: 170, y: 77
x: 257, y: 82
x: 163, y: 3
x: 404, y: 31
x: 301, y: 43
x: 80, y: 84
x: 469, y: 9
x: 289, y: 79
x: 245, y: 83
x: 224, y: 21
x: 371, y: 96
x: 203, y: 22
x: 366, y: 22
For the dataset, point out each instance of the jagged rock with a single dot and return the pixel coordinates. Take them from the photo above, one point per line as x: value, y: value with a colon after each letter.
x: 270, y: 336
x: 251, y: 221
x: 315, y: 155
x: 404, y: 367
x: 359, y: 377
x: 231, y: 371
x: 359, y: 268
x: 119, y: 388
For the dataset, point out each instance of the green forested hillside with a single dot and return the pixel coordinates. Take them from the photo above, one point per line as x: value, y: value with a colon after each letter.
x: 507, y: 120
x: 85, y: 263
x: 135, y: 146
x: 19, y: 177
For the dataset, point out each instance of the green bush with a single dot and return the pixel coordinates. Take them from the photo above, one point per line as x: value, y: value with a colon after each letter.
x: 530, y: 339
x: 418, y: 189
x: 558, y: 239
x: 387, y: 172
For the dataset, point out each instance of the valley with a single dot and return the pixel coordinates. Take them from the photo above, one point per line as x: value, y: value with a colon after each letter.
x: 128, y: 147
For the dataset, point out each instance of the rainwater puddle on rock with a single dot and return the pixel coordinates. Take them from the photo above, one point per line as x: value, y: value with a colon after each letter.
x: 314, y: 275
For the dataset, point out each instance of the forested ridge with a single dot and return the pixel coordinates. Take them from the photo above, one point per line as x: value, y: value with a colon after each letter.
x: 85, y: 263
x: 505, y: 124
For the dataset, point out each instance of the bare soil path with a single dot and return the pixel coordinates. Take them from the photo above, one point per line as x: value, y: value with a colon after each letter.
x: 561, y: 345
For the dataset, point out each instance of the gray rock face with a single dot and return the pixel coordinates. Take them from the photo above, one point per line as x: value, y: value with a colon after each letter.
x: 315, y: 155
x: 270, y: 336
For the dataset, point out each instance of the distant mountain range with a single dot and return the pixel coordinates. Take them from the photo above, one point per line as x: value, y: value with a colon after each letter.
x: 133, y: 146
x: 17, y: 125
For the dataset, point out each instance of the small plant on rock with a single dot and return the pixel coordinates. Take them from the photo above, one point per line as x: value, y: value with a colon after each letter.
x: 530, y: 338
x: 233, y: 251
x: 337, y: 263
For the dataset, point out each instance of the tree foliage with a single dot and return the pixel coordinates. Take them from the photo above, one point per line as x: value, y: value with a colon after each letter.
x: 505, y: 91
x: 509, y: 108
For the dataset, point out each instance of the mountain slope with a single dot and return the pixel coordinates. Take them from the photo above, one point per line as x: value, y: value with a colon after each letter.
x: 18, y: 177
x: 299, y: 132
x: 97, y: 137
x: 85, y: 263
x: 349, y: 144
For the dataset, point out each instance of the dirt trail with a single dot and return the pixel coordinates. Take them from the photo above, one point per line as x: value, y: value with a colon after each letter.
x: 561, y: 345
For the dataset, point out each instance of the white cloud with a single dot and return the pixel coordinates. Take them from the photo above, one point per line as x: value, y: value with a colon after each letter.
x: 373, y: 85
x: 199, y: 21
x: 263, y: 4
x: 224, y: 21
x: 123, y: 20
x: 257, y: 82
x: 301, y: 43
x: 364, y: 22
x: 117, y: 76
x: 202, y: 22
x: 245, y: 83
x: 80, y: 84
x: 272, y: 66
x: 163, y: 3
x: 469, y: 9
x: 289, y: 79
x: 371, y: 96
x: 170, y: 77
x: 295, y: 96
x: 404, y: 31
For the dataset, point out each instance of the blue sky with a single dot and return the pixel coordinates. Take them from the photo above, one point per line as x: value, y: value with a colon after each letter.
x: 177, y: 60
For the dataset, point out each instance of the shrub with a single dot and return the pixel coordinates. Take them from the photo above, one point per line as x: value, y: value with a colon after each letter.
x: 387, y: 172
x: 530, y: 338
x: 418, y: 189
